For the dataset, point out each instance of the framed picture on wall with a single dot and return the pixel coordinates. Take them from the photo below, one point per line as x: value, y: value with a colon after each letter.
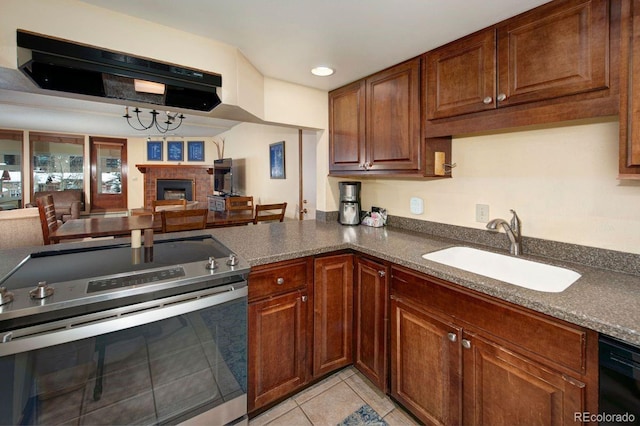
x: 276, y: 160
x: 154, y: 150
x: 195, y: 150
x: 175, y: 151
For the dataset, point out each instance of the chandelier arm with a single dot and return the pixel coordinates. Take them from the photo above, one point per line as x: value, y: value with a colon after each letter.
x: 154, y: 121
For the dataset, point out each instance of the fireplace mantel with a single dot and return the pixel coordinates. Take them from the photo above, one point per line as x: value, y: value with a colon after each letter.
x: 145, y: 167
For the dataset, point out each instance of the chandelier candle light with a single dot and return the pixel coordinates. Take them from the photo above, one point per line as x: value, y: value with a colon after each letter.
x: 170, y: 125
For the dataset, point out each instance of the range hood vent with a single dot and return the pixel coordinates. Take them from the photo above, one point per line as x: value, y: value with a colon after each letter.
x: 60, y: 65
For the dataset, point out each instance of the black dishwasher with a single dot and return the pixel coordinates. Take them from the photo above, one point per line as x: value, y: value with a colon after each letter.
x: 619, y: 383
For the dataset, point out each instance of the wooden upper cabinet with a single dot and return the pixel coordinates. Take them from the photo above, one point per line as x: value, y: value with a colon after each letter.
x: 347, y: 127
x: 393, y: 118
x: 555, y: 50
x: 629, y: 166
x: 374, y: 123
x: 461, y: 76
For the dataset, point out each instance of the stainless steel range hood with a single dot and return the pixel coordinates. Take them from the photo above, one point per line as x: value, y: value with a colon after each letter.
x: 61, y: 65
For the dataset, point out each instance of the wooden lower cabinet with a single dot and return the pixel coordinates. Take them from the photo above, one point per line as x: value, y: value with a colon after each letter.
x: 279, y: 352
x: 333, y: 313
x: 425, y: 365
x: 370, y: 320
x: 277, y: 348
x: 455, y: 360
x: 504, y: 388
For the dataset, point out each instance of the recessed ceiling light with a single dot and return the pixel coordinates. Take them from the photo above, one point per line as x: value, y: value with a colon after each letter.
x: 322, y: 71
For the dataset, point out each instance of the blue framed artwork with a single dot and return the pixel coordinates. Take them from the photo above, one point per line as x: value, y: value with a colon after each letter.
x: 175, y: 150
x: 154, y: 150
x: 276, y: 160
x: 195, y: 150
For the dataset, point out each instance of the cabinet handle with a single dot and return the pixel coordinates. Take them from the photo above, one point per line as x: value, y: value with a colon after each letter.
x: 501, y: 97
x: 304, y: 298
x: 381, y: 273
x: 452, y: 336
x: 487, y: 100
x: 466, y: 343
x: 280, y: 281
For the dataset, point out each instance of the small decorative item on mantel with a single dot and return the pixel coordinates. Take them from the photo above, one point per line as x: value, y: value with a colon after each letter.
x: 276, y: 160
x: 219, y: 143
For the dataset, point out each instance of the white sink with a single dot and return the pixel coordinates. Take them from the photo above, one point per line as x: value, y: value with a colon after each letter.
x: 513, y: 270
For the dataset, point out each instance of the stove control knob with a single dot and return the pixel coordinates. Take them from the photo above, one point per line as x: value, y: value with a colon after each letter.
x: 233, y: 260
x: 212, y: 264
x: 5, y: 296
x: 41, y: 291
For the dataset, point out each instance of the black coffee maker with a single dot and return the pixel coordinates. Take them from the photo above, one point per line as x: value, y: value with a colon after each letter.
x: 349, y: 213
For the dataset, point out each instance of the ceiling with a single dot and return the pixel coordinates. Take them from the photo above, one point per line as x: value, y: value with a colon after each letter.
x: 283, y: 39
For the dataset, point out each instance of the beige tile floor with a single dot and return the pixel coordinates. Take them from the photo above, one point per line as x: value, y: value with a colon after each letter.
x: 330, y: 401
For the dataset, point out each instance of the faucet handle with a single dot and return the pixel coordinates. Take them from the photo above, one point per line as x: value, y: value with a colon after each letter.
x: 515, y: 222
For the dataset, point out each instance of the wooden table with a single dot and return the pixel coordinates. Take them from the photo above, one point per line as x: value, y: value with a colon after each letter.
x: 101, y: 227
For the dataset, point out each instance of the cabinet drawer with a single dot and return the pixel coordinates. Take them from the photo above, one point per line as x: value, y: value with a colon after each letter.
x: 278, y: 278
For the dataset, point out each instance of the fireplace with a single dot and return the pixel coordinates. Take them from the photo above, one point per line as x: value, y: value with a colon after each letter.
x: 198, y: 179
x: 174, y: 189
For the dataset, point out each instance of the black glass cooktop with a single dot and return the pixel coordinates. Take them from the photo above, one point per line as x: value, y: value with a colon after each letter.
x: 67, y: 265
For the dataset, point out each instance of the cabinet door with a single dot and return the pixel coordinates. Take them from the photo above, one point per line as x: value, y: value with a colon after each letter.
x: 333, y: 313
x: 461, y: 76
x: 393, y: 118
x: 277, y: 347
x: 425, y: 364
x: 629, y: 165
x: 347, y: 127
x: 555, y: 50
x: 370, y: 320
x: 503, y: 388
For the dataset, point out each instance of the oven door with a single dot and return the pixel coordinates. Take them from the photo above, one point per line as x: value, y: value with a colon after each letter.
x: 165, y: 361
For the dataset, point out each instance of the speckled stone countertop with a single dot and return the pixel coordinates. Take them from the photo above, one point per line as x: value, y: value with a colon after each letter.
x: 602, y: 300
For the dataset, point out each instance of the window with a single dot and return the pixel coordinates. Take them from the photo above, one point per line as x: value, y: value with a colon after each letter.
x: 58, y: 162
x: 10, y: 169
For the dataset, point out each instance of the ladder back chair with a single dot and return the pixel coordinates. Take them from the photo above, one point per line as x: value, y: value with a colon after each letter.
x: 269, y: 212
x: 240, y: 204
x: 183, y: 220
x: 48, y: 220
x: 168, y: 205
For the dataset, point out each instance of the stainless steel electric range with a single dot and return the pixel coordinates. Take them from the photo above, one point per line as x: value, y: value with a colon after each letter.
x: 115, y: 335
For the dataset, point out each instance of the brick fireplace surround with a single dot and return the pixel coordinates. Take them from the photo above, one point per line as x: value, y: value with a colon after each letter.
x: 202, y: 176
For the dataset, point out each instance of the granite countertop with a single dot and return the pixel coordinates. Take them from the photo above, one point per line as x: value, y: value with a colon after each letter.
x: 602, y: 300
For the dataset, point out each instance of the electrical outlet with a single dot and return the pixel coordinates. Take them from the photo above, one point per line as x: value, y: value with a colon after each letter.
x: 416, y: 205
x: 482, y: 213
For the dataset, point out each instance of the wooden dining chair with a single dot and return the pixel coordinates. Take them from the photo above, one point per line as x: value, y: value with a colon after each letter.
x: 48, y: 220
x: 269, y: 212
x: 240, y: 204
x: 183, y: 220
x: 180, y: 204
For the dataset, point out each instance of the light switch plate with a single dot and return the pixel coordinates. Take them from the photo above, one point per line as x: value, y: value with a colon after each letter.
x: 416, y: 205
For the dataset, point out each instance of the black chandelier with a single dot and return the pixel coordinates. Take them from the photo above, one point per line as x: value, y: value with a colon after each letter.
x: 172, y: 123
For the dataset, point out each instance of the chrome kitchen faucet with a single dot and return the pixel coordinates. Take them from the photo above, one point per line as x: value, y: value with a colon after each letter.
x: 513, y: 232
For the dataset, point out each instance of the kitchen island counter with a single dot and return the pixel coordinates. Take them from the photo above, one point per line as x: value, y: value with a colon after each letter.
x: 602, y: 300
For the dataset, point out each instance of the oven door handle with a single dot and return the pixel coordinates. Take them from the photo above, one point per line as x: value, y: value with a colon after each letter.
x: 96, y: 324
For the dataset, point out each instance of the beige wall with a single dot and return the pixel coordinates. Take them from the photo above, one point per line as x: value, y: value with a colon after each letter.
x: 560, y: 180
x: 251, y: 142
